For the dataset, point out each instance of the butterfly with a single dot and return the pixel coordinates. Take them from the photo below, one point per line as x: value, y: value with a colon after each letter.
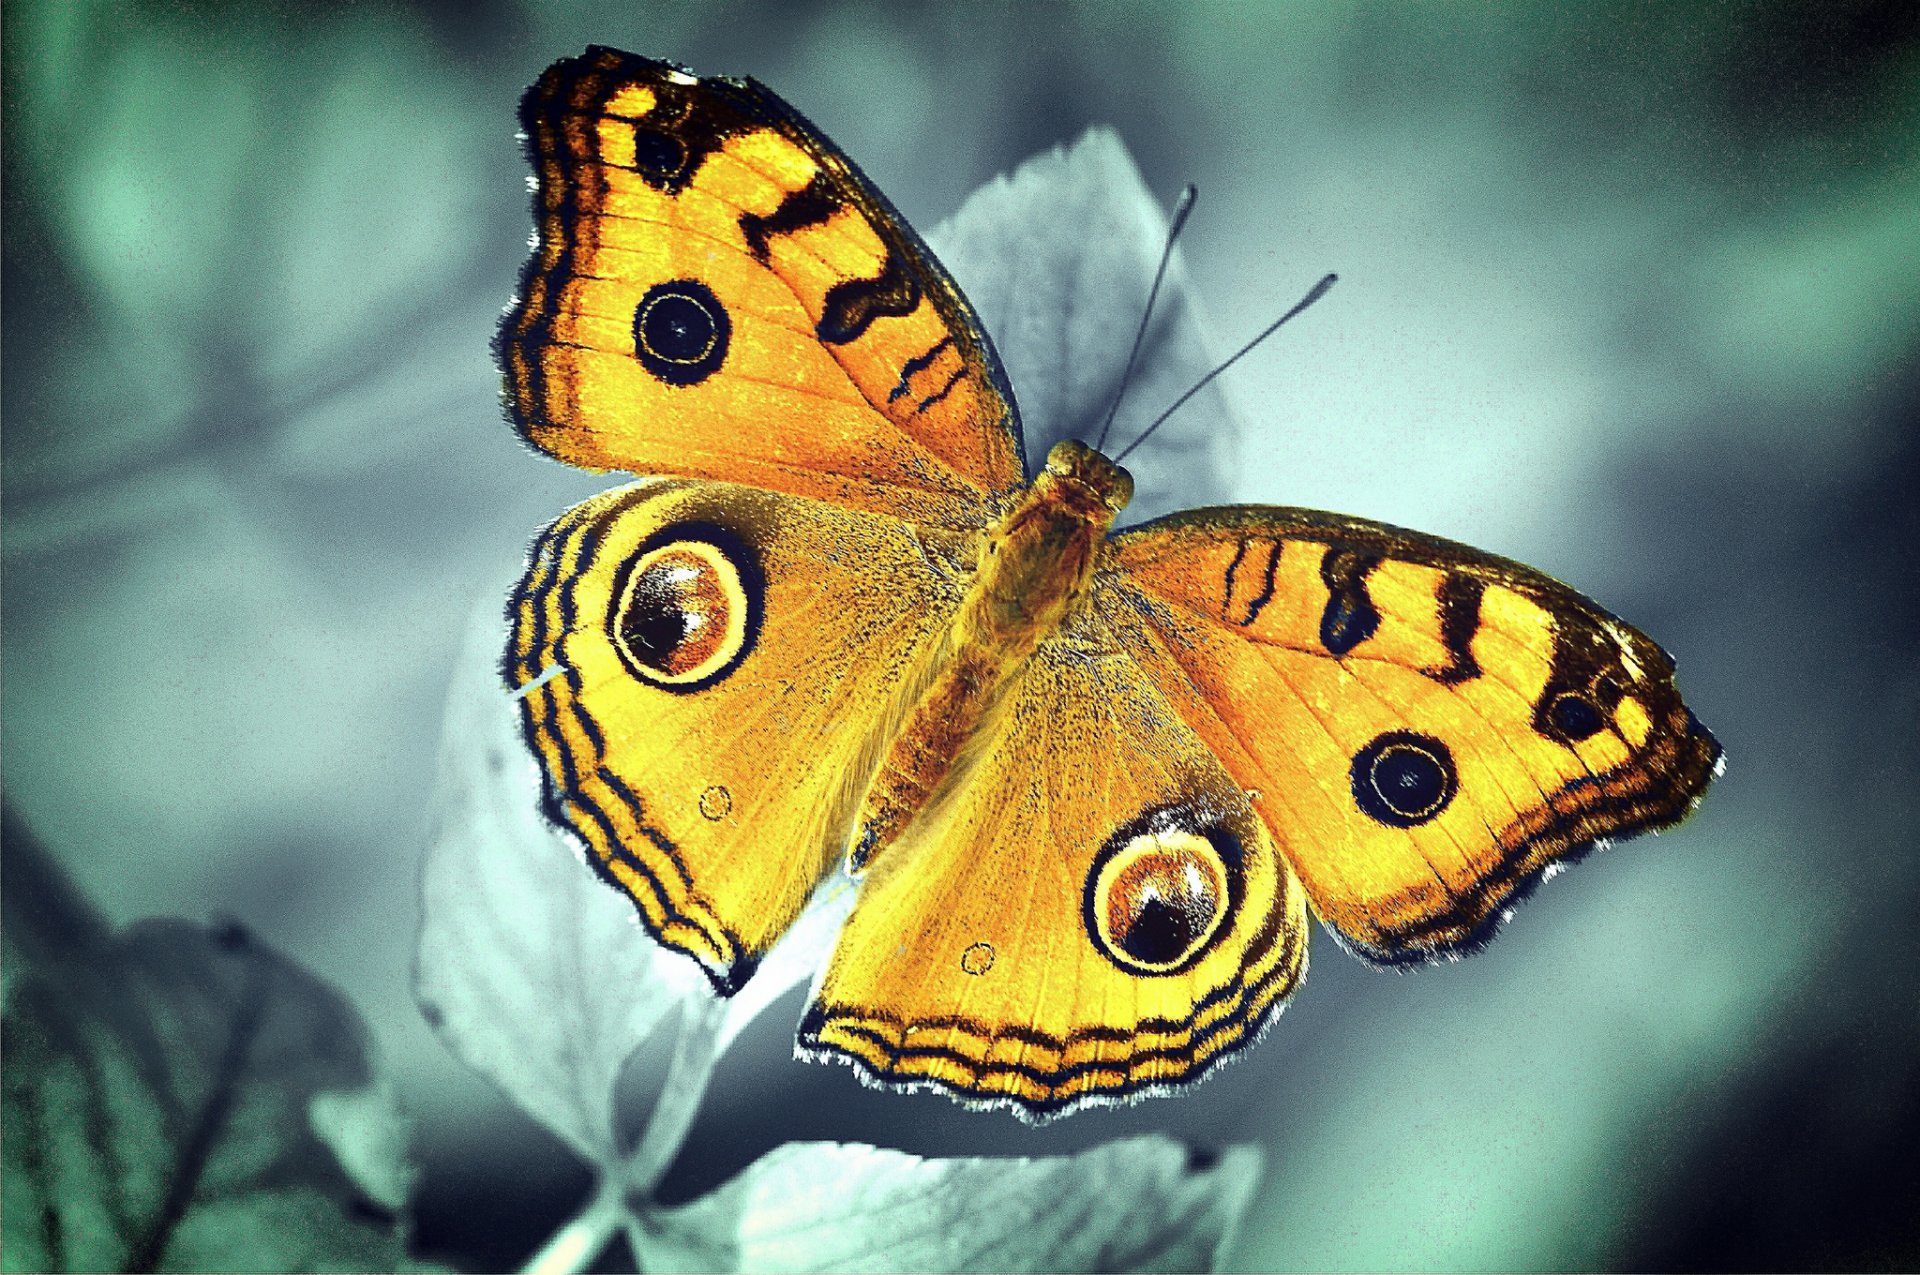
x: 1090, y: 782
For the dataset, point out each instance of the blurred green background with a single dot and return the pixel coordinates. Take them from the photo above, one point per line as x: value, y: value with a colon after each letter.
x: 1629, y: 292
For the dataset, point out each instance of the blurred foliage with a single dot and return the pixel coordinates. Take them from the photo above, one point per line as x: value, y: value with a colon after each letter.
x: 183, y: 1099
x: 1627, y: 292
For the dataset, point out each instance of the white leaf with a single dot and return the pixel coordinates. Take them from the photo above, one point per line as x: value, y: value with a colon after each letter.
x: 531, y: 969
x: 1135, y: 1204
x: 1057, y: 258
x: 368, y: 1135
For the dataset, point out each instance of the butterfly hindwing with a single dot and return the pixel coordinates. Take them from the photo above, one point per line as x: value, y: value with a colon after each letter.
x: 1428, y: 729
x: 702, y: 668
x: 716, y: 291
x: 1093, y: 910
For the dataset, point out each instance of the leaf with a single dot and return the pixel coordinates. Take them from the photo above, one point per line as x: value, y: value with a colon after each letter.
x: 534, y: 972
x: 173, y: 1099
x: 1135, y: 1204
x: 1057, y: 258
x: 531, y: 969
x: 211, y: 309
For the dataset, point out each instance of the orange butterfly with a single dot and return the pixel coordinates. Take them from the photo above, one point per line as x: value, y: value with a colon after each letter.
x: 1090, y: 782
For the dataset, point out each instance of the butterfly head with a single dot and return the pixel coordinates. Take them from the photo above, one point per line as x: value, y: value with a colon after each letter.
x: 1086, y: 479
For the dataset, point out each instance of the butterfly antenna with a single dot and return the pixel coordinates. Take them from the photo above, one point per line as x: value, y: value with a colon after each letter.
x: 1318, y: 290
x: 1181, y: 208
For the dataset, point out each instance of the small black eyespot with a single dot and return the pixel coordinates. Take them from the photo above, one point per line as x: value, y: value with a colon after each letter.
x: 680, y: 332
x: 658, y: 155
x: 1575, y: 716
x: 1403, y: 780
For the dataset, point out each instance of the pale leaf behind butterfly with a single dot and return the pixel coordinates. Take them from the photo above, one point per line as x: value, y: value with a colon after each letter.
x: 1138, y: 1204
x: 1057, y: 258
x: 532, y: 972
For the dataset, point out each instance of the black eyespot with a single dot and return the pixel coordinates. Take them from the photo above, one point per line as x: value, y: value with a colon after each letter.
x: 1403, y: 780
x: 680, y: 332
x: 1575, y: 716
x: 1162, y: 932
x: 658, y: 155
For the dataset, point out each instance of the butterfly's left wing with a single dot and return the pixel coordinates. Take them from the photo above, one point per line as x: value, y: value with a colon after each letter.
x: 717, y: 292
x: 704, y: 672
x: 1427, y: 729
x: 1092, y: 910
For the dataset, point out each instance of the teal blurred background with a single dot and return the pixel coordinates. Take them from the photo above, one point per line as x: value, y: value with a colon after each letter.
x: 1631, y: 293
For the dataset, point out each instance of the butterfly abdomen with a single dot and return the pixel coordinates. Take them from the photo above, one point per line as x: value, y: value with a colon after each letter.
x: 1035, y: 566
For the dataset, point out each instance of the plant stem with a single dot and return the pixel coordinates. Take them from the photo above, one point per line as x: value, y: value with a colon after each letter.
x: 576, y: 1244
x: 707, y: 1026
x: 687, y: 1075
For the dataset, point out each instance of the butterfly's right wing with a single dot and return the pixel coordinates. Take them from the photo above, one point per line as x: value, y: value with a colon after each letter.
x: 1426, y: 728
x: 705, y: 668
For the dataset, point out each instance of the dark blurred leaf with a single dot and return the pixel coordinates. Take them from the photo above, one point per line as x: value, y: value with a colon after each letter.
x: 233, y: 250
x: 182, y: 1098
x: 1058, y: 257
x: 1139, y: 1204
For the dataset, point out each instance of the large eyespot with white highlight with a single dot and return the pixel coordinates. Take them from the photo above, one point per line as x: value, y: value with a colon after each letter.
x: 1160, y: 892
x: 686, y: 608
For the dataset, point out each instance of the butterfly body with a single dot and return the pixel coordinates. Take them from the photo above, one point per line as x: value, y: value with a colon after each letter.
x: 1089, y: 780
x: 1035, y: 568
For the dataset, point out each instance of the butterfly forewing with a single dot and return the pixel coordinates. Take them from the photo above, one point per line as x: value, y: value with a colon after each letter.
x: 1426, y: 728
x: 717, y: 292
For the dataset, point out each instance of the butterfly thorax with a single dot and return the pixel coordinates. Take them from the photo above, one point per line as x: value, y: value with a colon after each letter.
x: 1035, y: 566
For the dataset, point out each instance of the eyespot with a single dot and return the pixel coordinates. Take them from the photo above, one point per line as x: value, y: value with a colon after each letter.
x: 687, y: 608
x: 1158, y: 896
x: 1403, y: 780
x: 660, y: 157
x: 680, y: 332
x: 716, y: 803
x: 977, y: 959
x: 1575, y: 716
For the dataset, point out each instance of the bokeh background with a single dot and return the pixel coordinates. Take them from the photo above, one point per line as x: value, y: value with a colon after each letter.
x: 1629, y: 292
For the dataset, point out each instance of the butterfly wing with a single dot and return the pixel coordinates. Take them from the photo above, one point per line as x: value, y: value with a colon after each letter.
x: 704, y: 668
x: 1427, y: 729
x: 1092, y: 910
x: 717, y: 292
